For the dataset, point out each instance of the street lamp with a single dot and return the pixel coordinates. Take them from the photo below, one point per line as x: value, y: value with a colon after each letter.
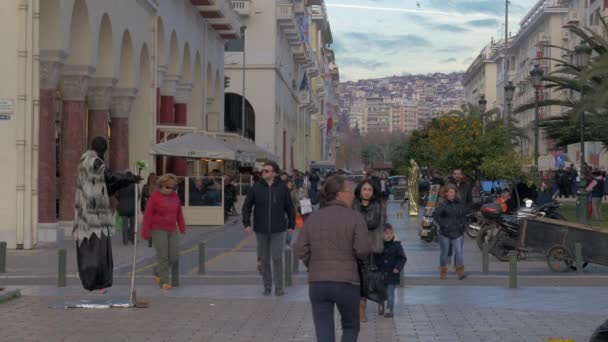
x: 537, y: 76
x: 509, y: 92
x: 582, y: 58
x: 243, y: 101
x: 482, y: 107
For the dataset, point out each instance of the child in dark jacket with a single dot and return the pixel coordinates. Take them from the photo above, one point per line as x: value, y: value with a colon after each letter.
x: 391, y: 262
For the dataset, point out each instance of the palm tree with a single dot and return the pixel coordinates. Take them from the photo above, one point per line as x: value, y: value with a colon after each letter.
x: 593, y: 81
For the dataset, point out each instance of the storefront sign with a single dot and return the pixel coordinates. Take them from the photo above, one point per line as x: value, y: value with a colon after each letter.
x: 5, y: 117
x: 6, y: 107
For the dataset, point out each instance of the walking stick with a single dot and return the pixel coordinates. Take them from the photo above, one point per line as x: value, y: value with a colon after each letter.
x: 140, y: 165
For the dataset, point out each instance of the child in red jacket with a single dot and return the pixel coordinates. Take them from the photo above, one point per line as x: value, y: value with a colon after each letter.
x: 163, y: 213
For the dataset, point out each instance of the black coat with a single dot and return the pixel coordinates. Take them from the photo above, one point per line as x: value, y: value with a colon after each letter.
x: 126, y: 201
x: 273, y: 210
x: 451, y: 218
x: 372, y: 213
x: 393, y: 257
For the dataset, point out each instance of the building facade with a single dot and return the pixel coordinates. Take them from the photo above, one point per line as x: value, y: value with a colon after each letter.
x: 287, y: 79
x: 480, y: 77
x: 76, y: 69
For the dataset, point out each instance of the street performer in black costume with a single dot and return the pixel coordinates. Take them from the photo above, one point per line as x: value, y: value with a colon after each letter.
x: 93, y: 216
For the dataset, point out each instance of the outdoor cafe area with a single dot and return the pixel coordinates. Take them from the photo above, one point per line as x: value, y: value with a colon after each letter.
x: 213, y: 188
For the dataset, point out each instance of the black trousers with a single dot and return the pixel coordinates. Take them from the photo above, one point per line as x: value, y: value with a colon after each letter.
x: 323, y: 297
x: 128, y: 229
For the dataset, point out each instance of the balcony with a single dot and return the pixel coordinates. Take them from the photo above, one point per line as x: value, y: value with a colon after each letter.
x: 242, y: 7
x: 313, y: 67
x: 317, y: 12
x: 285, y: 16
x: 573, y: 18
x: 304, y: 98
x: 294, y: 36
x: 299, y: 54
x: 221, y: 15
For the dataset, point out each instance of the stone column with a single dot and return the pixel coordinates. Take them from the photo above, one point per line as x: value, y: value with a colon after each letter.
x: 167, y: 116
x: 99, y: 97
x: 73, y: 85
x: 182, y: 98
x: 120, y: 109
x: 50, y: 72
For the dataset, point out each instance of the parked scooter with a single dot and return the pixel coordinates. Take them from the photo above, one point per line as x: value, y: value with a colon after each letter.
x: 429, y: 227
x: 501, y: 231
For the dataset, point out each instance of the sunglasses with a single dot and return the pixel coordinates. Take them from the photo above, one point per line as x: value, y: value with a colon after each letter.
x: 169, y: 188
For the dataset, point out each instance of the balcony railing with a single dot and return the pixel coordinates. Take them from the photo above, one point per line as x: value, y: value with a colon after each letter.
x: 242, y: 7
x: 300, y: 7
x: 285, y: 15
x: 305, y: 97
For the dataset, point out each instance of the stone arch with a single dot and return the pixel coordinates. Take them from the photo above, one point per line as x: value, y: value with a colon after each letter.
x: 80, y: 35
x: 127, y: 66
x: 141, y: 124
x: 51, y: 37
x: 105, y: 51
x: 196, y: 104
x: 161, y: 51
x: 186, y: 68
x: 233, y: 113
x: 174, y: 65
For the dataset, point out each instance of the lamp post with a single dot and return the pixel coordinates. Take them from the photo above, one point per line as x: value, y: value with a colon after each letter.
x: 482, y: 107
x: 509, y: 92
x: 243, y: 107
x: 583, y: 56
x: 537, y: 77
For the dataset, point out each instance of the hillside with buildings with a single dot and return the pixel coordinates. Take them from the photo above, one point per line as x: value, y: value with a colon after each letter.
x: 399, y: 103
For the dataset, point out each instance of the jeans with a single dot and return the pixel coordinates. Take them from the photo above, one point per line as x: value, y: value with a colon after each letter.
x: 165, y: 244
x: 390, y: 297
x: 270, y: 247
x: 128, y: 229
x: 323, y: 297
x: 457, y: 246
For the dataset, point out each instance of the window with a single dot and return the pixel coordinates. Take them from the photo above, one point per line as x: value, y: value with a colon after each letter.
x: 235, y: 45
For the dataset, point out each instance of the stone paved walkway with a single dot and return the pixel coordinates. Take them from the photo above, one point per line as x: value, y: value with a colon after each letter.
x: 240, y: 313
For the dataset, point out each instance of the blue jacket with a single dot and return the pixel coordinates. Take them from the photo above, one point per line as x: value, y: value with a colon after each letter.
x: 393, y: 257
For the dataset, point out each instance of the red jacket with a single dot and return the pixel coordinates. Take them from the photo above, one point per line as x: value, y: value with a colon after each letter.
x: 163, y: 212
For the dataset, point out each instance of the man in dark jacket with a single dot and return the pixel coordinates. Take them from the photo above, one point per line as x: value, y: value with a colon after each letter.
x: 273, y: 213
x: 126, y: 210
x: 465, y: 188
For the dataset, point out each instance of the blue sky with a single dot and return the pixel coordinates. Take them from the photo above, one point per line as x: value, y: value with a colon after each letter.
x: 376, y: 38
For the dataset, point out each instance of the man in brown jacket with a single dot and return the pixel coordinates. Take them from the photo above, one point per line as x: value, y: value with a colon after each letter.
x: 330, y: 243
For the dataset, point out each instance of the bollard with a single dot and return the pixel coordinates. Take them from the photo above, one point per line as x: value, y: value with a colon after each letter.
x: 2, y: 257
x: 402, y: 279
x: 201, y: 258
x: 61, y: 268
x: 485, y: 258
x: 578, y: 253
x: 287, y: 265
x: 175, y: 273
x: 513, y: 271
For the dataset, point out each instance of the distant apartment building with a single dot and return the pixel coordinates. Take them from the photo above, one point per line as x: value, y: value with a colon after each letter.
x: 378, y: 115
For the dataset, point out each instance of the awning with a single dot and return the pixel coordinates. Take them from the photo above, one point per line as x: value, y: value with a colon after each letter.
x: 247, y: 147
x: 196, y: 146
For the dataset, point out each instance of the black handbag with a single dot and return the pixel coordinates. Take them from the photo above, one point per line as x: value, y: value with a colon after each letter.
x: 372, y: 281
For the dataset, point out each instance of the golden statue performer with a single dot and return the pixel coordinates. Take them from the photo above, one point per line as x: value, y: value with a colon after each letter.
x: 412, y: 187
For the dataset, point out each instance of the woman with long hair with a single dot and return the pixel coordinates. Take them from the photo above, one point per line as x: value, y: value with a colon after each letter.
x: 368, y: 202
x: 450, y: 215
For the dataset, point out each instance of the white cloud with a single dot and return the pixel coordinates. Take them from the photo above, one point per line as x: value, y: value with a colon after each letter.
x: 431, y: 35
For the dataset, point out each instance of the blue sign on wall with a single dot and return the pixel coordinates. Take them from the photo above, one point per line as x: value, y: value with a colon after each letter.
x: 5, y: 117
